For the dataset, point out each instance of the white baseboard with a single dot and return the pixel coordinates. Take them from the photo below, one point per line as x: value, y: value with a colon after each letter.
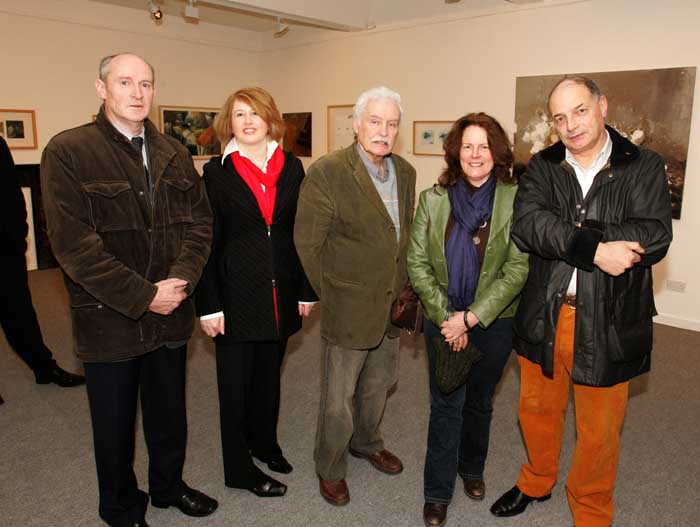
x: 677, y: 322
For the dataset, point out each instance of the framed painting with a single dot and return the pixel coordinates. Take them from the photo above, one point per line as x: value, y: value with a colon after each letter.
x: 651, y: 108
x: 297, y: 133
x: 193, y: 127
x: 428, y: 137
x: 340, y: 132
x: 18, y: 127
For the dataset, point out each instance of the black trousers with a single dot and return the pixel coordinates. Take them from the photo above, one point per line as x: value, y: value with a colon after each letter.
x: 18, y: 317
x: 248, y: 375
x: 113, y: 388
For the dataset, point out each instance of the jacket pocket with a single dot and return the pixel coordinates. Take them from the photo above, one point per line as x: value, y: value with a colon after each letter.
x: 177, y: 194
x: 113, y: 206
x: 630, y: 333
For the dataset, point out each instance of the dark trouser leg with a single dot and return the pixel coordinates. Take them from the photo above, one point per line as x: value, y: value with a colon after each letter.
x: 17, y: 315
x: 444, y: 428
x: 496, y: 344
x: 162, y: 382
x: 112, y: 390
x: 263, y: 415
x: 234, y: 365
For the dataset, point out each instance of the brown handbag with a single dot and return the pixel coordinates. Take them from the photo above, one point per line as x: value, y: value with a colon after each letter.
x: 407, y: 311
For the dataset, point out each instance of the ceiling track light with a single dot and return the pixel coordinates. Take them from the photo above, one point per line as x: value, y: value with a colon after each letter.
x: 282, y: 29
x: 155, y: 11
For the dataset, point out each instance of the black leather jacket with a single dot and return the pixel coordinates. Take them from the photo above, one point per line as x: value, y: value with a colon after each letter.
x: 629, y: 200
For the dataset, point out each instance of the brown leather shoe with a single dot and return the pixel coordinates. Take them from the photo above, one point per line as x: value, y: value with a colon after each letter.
x: 434, y: 514
x: 475, y: 489
x: 383, y: 461
x: 334, y: 491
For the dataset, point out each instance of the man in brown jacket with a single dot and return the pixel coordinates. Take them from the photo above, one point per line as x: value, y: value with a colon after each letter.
x: 130, y: 225
x: 351, y: 233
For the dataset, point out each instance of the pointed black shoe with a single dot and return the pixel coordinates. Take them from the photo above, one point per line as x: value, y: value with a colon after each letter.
x: 268, y: 487
x: 190, y: 502
x: 59, y: 376
x: 513, y: 503
x: 280, y: 465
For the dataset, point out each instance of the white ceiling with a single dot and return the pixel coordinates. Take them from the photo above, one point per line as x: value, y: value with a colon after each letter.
x: 347, y: 15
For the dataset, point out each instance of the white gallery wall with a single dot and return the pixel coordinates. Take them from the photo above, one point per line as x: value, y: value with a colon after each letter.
x: 442, y: 68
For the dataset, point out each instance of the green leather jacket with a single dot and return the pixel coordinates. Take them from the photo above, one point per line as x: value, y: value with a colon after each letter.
x: 503, y: 272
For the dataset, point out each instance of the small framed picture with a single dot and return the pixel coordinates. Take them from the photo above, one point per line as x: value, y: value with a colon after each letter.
x: 193, y: 127
x: 340, y: 132
x: 428, y: 137
x: 297, y: 133
x: 18, y: 127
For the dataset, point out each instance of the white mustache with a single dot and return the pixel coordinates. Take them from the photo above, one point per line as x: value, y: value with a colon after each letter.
x: 379, y: 140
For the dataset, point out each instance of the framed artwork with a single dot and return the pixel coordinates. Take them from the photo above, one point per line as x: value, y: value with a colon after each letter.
x: 428, y: 137
x: 193, y: 127
x: 297, y: 133
x: 340, y: 132
x: 18, y: 127
x: 651, y: 108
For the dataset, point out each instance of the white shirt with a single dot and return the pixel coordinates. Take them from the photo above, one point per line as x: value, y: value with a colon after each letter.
x: 585, y: 177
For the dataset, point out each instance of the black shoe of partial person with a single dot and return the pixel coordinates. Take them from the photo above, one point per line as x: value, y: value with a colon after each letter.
x: 280, y: 465
x: 268, y: 487
x: 59, y: 376
x: 190, y: 502
x: 434, y: 514
x: 514, y: 502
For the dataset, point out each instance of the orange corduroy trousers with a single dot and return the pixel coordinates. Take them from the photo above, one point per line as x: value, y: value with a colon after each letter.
x: 599, y: 416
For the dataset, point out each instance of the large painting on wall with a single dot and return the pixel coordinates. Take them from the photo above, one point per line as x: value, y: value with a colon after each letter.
x: 652, y: 108
x: 193, y: 127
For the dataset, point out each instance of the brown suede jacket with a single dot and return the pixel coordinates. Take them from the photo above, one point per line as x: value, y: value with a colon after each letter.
x: 114, y: 239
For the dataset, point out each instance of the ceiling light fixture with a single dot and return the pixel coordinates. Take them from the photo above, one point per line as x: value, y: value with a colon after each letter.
x: 282, y: 29
x: 192, y: 11
x: 156, y: 13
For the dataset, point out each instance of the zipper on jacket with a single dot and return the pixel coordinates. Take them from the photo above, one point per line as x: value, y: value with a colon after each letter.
x: 274, y: 282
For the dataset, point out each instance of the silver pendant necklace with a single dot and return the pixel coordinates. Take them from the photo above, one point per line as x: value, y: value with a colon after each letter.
x: 476, y: 239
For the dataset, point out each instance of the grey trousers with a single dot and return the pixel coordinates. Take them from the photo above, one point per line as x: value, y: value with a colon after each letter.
x: 354, y: 386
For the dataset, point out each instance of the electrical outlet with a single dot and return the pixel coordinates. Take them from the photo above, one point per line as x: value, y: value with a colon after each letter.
x: 675, y: 285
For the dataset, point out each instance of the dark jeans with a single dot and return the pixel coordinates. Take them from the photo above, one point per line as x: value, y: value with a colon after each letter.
x: 113, y: 389
x: 460, y: 422
x: 248, y: 375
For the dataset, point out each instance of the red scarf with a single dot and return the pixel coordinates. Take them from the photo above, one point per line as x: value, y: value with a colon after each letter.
x: 254, y: 178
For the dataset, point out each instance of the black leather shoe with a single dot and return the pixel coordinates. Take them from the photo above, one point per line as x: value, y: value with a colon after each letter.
x: 269, y: 487
x: 514, y: 502
x: 59, y: 376
x: 190, y: 502
x: 434, y: 514
x: 280, y: 465
x: 141, y: 523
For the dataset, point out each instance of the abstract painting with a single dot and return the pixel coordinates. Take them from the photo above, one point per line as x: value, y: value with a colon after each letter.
x: 651, y: 108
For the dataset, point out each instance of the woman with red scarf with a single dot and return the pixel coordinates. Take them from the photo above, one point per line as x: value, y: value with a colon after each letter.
x: 253, y: 292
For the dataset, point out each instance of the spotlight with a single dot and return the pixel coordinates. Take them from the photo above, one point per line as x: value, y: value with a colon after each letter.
x: 156, y: 13
x: 282, y: 29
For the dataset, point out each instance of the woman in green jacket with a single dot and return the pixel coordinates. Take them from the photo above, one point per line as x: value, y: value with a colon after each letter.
x: 468, y: 274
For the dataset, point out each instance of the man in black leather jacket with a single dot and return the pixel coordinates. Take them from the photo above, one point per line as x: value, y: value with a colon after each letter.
x: 594, y: 212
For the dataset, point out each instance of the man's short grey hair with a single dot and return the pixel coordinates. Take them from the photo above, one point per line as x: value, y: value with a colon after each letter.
x: 106, y: 61
x: 581, y: 80
x: 376, y: 94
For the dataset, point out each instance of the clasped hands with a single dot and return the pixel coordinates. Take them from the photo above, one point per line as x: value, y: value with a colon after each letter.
x: 169, y: 295
x: 455, y: 331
